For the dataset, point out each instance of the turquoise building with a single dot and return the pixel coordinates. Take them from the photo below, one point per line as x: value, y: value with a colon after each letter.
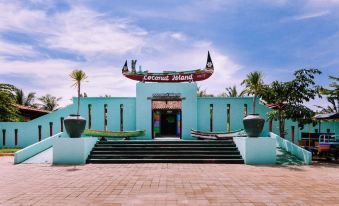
x: 161, y: 109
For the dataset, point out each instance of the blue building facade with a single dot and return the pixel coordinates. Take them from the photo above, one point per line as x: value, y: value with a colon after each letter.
x: 161, y: 109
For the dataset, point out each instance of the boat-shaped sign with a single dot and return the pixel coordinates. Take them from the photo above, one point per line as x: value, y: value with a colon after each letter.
x: 169, y: 76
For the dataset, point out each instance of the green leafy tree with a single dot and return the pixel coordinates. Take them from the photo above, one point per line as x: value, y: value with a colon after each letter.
x: 49, y: 102
x: 24, y: 100
x: 232, y: 92
x: 253, y: 85
x: 332, y: 96
x: 78, y: 76
x: 8, y: 110
x: 287, y: 98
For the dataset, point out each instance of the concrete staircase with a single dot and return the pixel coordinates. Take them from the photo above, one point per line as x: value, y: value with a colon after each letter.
x: 162, y: 151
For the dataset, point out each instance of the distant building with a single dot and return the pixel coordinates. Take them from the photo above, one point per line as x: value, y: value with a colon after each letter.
x: 30, y: 113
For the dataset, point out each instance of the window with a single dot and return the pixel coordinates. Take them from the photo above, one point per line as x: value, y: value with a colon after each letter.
x: 61, y: 124
x: 245, y: 110
x: 121, y: 117
x: 105, y: 117
x: 39, y: 133
x: 16, y: 137
x: 50, y: 128
x: 292, y: 133
x: 228, y: 117
x: 89, y: 116
x: 3, y: 137
x: 211, y: 117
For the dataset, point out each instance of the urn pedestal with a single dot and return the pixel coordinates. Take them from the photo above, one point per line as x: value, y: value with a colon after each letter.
x: 253, y: 125
x: 74, y: 125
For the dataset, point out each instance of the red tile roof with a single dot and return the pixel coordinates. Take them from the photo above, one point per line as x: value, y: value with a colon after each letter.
x: 31, y: 109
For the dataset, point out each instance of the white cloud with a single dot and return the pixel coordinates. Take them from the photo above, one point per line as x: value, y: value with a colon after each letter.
x: 15, y: 17
x: 99, y: 38
x: 88, y: 32
x: 12, y: 49
x: 79, y: 30
x: 186, y: 11
x: 322, y: 3
x: 310, y: 15
x: 178, y: 36
x: 52, y: 76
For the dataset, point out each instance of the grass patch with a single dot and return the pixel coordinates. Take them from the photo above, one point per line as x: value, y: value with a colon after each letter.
x: 101, y: 133
x: 9, y: 150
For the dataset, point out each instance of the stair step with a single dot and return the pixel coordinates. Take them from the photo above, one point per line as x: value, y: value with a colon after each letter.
x: 150, y: 151
x: 165, y: 148
x: 165, y: 152
x: 172, y: 156
x: 120, y: 161
x: 165, y: 145
x: 166, y: 142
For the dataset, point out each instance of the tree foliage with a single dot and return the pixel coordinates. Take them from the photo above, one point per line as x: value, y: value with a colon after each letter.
x: 8, y: 110
x: 78, y: 76
x: 232, y: 92
x: 332, y: 96
x: 49, y: 102
x: 203, y: 93
x: 253, y: 85
x: 287, y: 98
x: 24, y: 100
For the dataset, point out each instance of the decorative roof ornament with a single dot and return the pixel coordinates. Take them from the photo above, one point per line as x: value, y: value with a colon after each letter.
x: 169, y: 76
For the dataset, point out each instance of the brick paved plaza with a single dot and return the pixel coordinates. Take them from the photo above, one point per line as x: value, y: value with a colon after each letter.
x: 167, y: 184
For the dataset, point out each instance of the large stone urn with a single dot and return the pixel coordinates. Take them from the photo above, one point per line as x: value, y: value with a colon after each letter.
x: 75, y: 125
x: 253, y: 125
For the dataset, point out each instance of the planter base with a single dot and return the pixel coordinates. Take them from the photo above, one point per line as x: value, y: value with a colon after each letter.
x: 261, y: 150
x: 72, y: 150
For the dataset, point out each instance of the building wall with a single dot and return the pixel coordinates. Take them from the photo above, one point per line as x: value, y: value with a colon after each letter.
x: 237, y: 111
x: 189, y: 105
x: 137, y: 115
x: 113, y: 112
x: 28, y: 132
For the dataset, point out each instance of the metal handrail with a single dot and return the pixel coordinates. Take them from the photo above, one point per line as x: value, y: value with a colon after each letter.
x: 329, y: 138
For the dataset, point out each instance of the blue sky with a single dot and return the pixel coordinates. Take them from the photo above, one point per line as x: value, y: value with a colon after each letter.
x: 42, y: 41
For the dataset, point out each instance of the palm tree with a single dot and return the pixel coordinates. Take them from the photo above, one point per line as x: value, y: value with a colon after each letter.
x: 232, y: 92
x: 332, y: 108
x: 253, y: 85
x: 77, y: 76
x: 24, y: 100
x: 332, y: 96
x: 49, y: 102
x: 203, y: 93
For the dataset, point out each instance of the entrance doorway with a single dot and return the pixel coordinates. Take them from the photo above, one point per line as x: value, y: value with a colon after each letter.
x: 166, y: 121
x: 168, y: 124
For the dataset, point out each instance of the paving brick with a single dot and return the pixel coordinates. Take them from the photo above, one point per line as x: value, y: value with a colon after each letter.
x: 167, y: 184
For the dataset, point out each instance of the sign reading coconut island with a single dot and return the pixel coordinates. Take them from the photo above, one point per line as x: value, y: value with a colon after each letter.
x: 169, y: 76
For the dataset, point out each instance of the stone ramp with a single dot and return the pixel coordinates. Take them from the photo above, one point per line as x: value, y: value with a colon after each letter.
x: 286, y: 158
x: 44, y: 157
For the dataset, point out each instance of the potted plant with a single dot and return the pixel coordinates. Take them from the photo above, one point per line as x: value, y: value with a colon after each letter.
x: 253, y: 123
x: 74, y: 123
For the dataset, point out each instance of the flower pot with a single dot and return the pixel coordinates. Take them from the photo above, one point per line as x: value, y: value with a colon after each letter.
x: 74, y: 125
x: 253, y: 125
